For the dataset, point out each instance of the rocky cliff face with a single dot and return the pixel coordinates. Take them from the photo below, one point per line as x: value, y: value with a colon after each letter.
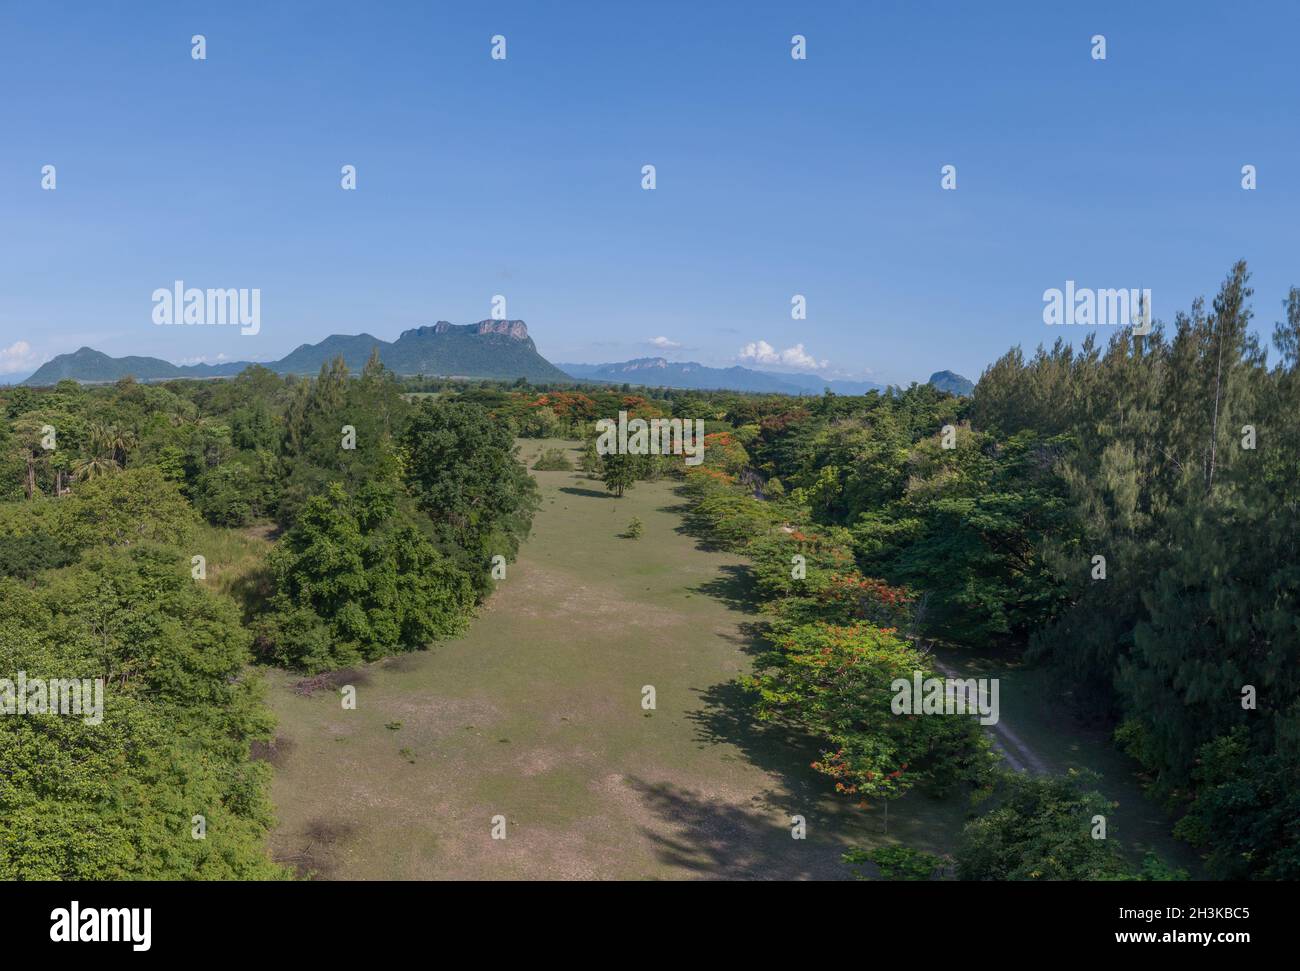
x: 511, y: 328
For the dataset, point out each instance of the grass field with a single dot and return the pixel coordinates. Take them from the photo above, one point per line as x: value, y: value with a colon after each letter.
x: 536, y: 715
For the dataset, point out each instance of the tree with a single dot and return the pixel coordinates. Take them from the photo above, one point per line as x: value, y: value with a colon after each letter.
x: 462, y: 469
x: 834, y: 683
x: 313, y: 447
x: 619, y: 473
x: 1042, y: 830
x: 355, y: 581
x: 115, y: 799
x: 136, y: 505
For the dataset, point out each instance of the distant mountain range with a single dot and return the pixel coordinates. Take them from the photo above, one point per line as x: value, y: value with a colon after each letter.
x: 487, y: 349
x: 658, y: 372
x: 498, y: 349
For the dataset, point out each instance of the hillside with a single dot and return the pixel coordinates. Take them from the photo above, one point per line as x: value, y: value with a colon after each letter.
x: 487, y: 349
x: 952, y: 382
x: 95, y: 367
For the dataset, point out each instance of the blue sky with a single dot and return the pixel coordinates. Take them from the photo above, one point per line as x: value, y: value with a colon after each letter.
x: 523, y: 177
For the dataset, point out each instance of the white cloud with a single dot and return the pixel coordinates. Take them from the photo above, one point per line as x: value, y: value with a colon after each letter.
x: 18, y: 356
x: 761, y: 352
x: 663, y: 343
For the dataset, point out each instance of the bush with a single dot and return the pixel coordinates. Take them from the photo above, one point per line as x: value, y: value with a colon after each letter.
x: 234, y: 493
x: 541, y: 422
x: 1042, y: 831
x: 112, y: 800
x: 896, y: 862
x: 25, y: 556
x: 553, y: 460
x: 591, y: 462
x: 355, y: 582
x: 123, y: 508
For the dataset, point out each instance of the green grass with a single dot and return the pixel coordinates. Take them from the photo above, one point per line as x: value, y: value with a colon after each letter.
x: 234, y: 561
x: 536, y: 715
x: 590, y: 786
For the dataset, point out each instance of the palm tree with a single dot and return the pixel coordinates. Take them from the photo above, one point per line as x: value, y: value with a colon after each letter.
x: 105, y: 443
x: 93, y: 466
x: 35, y: 456
x: 117, y: 442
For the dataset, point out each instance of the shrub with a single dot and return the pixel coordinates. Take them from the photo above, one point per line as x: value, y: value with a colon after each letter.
x: 553, y: 460
x: 1042, y: 831
x: 896, y: 862
x: 356, y: 582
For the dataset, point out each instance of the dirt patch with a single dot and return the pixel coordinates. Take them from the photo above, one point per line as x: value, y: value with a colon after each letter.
x: 316, y: 855
x: 267, y: 532
x: 275, y: 751
x: 402, y: 663
x: 330, y: 681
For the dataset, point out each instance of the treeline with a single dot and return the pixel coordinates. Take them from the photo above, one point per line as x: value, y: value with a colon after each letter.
x: 120, y: 798
x: 1125, y: 516
x: 839, y: 637
x: 389, y: 512
x: 1183, y: 471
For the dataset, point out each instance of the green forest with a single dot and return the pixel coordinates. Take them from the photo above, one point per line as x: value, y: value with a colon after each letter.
x: 1121, y: 514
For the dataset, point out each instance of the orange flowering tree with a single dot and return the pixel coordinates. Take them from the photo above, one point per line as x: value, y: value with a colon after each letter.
x: 723, y: 451
x: 834, y: 682
x: 567, y: 404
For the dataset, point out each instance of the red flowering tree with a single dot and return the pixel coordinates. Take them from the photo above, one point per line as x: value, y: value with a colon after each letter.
x: 834, y: 682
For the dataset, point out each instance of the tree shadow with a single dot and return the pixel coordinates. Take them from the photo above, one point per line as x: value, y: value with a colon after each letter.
x: 253, y: 592
x: 727, y: 718
x: 717, y: 840
x: 275, y: 751
x: 681, y: 509
x: 750, y: 638
x: 919, y: 819
x: 735, y: 586
x: 693, y: 526
x: 590, y: 493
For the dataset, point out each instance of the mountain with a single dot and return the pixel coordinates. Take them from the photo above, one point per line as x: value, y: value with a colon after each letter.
x: 815, y: 384
x: 487, y: 349
x: 94, y: 366
x: 658, y: 372
x: 308, y: 358
x: 952, y: 383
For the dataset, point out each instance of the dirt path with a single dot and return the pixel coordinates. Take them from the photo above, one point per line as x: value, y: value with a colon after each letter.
x: 536, y: 716
x: 1013, y: 749
x: 1036, y: 733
